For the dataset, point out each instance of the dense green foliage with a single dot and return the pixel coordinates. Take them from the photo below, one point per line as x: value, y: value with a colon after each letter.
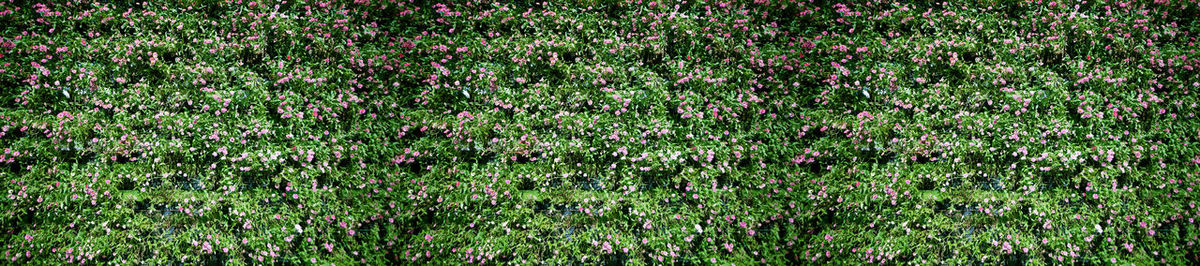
x: 628, y: 131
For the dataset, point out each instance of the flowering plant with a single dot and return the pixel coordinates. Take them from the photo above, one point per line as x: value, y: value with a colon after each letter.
x: 629, y: 131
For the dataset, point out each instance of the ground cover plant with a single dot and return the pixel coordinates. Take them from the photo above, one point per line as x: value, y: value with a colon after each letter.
x: 591, y: 131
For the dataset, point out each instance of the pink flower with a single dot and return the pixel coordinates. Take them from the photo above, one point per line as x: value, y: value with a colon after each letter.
x: 428, y: 238
x: 28, y: 238
x: 828, y: 237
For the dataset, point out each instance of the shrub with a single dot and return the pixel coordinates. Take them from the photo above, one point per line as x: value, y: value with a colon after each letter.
x: 562, y: 132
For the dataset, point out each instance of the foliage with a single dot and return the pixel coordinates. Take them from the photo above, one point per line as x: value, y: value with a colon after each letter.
x: 597, y: 131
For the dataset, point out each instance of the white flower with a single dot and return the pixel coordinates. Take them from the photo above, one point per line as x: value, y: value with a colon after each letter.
x: 699, y: 230
x: 299, y: 230
x: 865, y: 93
x: 1099, y: 230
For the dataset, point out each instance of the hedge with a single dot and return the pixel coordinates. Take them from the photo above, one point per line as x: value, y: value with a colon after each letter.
x: 599, y: 132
